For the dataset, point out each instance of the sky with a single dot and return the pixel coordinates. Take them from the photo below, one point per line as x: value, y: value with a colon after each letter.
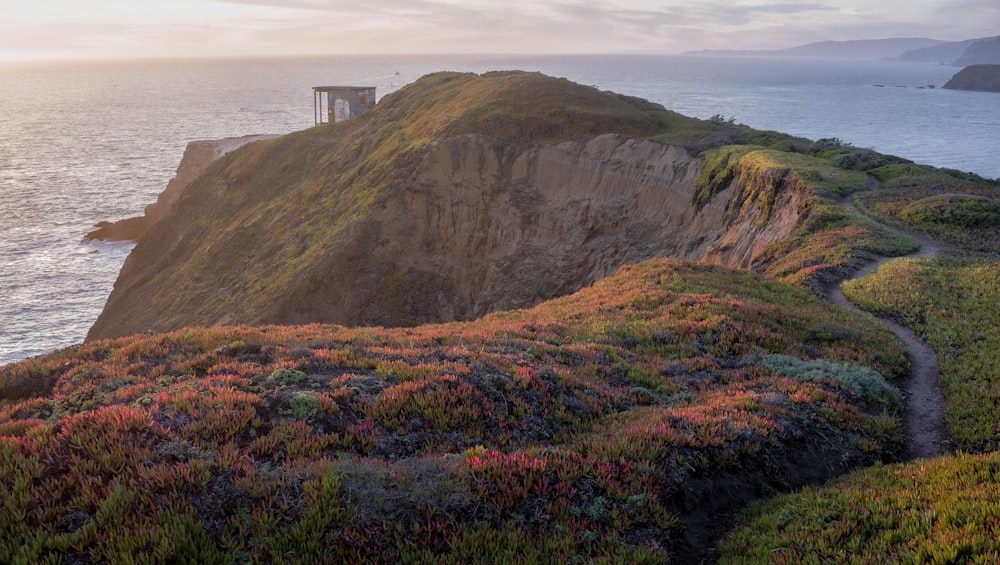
x: 113, y: 29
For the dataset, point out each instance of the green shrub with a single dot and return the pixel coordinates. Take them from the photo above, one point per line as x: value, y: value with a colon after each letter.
x: 864, y: 381
x: 827, y: 144
x: 287, y: 376
x: 303, y: 405
x: 848, y: 161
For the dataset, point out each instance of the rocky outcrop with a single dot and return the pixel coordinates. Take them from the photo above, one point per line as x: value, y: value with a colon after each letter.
x: 361, y: 223
x: 198, y: 155
x: 976, y: 77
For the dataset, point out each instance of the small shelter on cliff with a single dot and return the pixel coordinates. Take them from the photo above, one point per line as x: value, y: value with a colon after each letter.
x: 342, y: 102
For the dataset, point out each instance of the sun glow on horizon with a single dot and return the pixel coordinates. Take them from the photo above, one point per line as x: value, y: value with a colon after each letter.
x: 79, y: 30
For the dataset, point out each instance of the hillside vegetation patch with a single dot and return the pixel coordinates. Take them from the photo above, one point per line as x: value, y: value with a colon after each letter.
x: 954, y: 305
x: 828, y: 239
x: 938, y: 511
x: 959, y: 208
x: 579, y: 430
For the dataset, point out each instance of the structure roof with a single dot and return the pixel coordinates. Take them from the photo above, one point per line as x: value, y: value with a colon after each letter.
x: 328, y: 88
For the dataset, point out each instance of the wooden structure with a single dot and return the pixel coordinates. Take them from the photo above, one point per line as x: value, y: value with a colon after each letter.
x: 342, y: 102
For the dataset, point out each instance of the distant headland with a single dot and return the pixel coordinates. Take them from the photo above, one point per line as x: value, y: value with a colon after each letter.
x: 985, y: 78
x: 984, y: 50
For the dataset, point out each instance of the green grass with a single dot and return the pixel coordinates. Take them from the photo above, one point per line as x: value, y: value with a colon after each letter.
x: 940, y: 511
x: 567, y: 431
x: 820, y: 176
x: 954, y: 305
x: 959, y: 208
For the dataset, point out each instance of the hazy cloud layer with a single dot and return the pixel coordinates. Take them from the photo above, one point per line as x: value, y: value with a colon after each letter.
x: 111, y: 28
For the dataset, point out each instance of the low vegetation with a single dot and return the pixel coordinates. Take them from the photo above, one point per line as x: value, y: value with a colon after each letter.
x: 599, y: 427
x: 939, y: 511
x: 576, y: 431
x: 929, y: 511
x: 954, y: 305
x: 959, y: 208
x: 829, y: 238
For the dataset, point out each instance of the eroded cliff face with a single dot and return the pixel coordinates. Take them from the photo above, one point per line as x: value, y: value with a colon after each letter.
x: 485, y: 226
x: 511, y: 228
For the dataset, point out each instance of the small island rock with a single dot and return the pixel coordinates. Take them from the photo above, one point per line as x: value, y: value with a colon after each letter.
x: 984, y: 78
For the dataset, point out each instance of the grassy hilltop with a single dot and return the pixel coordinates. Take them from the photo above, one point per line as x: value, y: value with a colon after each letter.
x: 290, y: 230
x: 627, y: 422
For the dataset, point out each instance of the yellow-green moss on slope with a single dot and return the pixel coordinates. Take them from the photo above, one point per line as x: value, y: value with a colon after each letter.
x: 959, y: 208
x: 939, y: 511
x: 827, y: 237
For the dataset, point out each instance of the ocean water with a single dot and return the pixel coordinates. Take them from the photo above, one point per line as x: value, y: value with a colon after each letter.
x: 83, y: 143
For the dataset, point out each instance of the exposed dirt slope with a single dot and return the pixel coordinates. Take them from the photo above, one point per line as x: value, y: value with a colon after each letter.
x: 457, y: 196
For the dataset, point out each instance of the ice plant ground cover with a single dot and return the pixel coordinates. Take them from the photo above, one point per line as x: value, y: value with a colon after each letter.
x: 590, y: 428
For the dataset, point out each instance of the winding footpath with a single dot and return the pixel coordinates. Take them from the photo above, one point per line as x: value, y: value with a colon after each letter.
x: 926, y: 435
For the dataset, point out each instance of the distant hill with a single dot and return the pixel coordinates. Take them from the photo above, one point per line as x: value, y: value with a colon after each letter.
x: 984, y: 50
x: 855, y: 49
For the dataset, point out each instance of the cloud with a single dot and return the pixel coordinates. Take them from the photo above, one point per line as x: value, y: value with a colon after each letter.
x: 254, y: 27
x: 979, y: 18
x: 659, y: 26
x: 517, y: 14
x: 61, y: 36
x: 420, y: 10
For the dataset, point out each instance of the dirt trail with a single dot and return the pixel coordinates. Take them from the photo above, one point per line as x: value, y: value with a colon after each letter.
x: 926, y: 435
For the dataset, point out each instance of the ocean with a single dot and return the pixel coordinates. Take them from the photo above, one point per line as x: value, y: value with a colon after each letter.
x: 85, y: 142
